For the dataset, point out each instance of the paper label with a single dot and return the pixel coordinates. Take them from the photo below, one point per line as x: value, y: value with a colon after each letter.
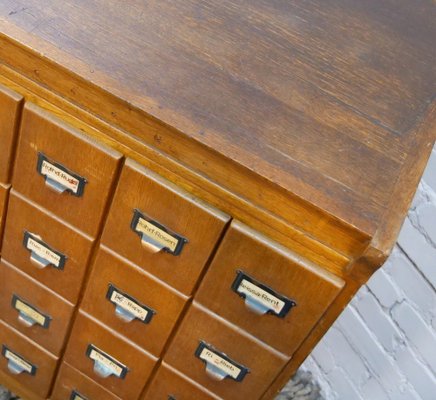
x: 60, y: 176
x: 224, y: 365
x: 16, y: 359
x: 157, y: 233
x: 262, y: 296
x: 248, y: 288
x: 55, y: 172
x: 128, y: 303
x: 43, y: 252
x: 30, y: 311
x: 115, y: 366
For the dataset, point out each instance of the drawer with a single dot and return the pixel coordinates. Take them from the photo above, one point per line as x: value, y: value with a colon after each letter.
x: 10, y: 110
x: 35, y: 311
x: 63, y: 170
x: 161, y: 228
x: 4, y: 191
x: 131, y: 301
x: 25, y: 362
x: 170, y: 384
x: 265, y: 289
x: 120, y: 366
x: 221, y: 357
x: 73, y: 385
x: 54, y: 253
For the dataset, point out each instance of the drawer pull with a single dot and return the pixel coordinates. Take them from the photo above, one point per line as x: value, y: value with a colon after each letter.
x: 16, y: 363
x: 104, y: 364
x: 218, y: 365
x: 156, y: 237
x: 259, y: 298
x: 75, y: 395
x: 58, y: 178
x: 127, y: 308
x: 29, y: 315
x: 41, y: 254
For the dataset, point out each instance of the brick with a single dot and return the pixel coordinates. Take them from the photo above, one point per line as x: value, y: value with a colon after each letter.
x: 427, y: 219
x: 410, y: 281
x: 417, y: 331
x: 323, y: 357
x: 371, y: 389
x: 346, y: 356
x: 378, y: 322
x: 343, y: 387
x: 429, y: 176
x: 377, y: 359
x: 319, y: 377
x: 419, y: 250
x: 419, y: 377
x: 383, y: 288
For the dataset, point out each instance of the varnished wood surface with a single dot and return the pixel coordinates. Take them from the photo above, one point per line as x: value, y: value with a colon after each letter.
x: 317, y: 97
x: 10, y: 106
x: 48, y: 303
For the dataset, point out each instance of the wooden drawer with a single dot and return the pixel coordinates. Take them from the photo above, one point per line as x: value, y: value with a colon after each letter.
x: 277, y: 278
x: 4, y: 191
x: 250, y: 365
x: 171, y: 384
x: 25, y: 362
x: 131, y: 365
x: 131, y: 301
x: 62, y: 170
x: 38, y: 313
x: 73, y: 385
x: 10, y: 110
x: 63, y: 246
x: 161, y: 228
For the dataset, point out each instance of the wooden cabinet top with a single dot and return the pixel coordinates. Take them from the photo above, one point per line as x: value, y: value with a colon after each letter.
x: 330, y: 102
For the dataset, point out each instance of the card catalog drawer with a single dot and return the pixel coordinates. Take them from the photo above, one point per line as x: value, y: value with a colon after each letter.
x: 132, y: 302
x: 170, y: 384
x: 73, y: 385
x: 37, y: 312
x: 4, y: 191
x: 26, y: 362
x: 265, y: 289
x: 109, y: 359
x: 63, y: 170
x: 161, y: 228
x: 10, y: 110
x: 45, y: 248
x: 221, y: 357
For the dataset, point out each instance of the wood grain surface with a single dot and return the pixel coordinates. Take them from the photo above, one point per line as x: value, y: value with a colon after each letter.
x: 316, y: 97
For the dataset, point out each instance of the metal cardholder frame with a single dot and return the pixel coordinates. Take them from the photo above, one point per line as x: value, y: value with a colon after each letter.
x: 148, y: 242
x: 56, y: 186
x: 15, y: 368
x: 102, y: 370
x: 27, y: 320
x: 256, y: 306
x: 39, y: 261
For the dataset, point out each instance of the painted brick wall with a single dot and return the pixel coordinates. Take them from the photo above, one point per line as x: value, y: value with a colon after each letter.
x: 383, y: 346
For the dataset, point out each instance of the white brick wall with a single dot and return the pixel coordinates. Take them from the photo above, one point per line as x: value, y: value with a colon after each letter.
x: 383, y: 346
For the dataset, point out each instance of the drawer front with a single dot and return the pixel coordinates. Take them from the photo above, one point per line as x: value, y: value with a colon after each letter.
x: 62, y: 170
x: 107, y: 358
x: 25, y: 362
x: 10, y: 109
x: 171, y: 384
x: 221, y: 357
x: 161, y: 228
x: 132, y: 302
x: 73, y: 385
x: 4, y: 191
x: 265, y: 289
x: 45, y: 248
x: 36, y: 312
